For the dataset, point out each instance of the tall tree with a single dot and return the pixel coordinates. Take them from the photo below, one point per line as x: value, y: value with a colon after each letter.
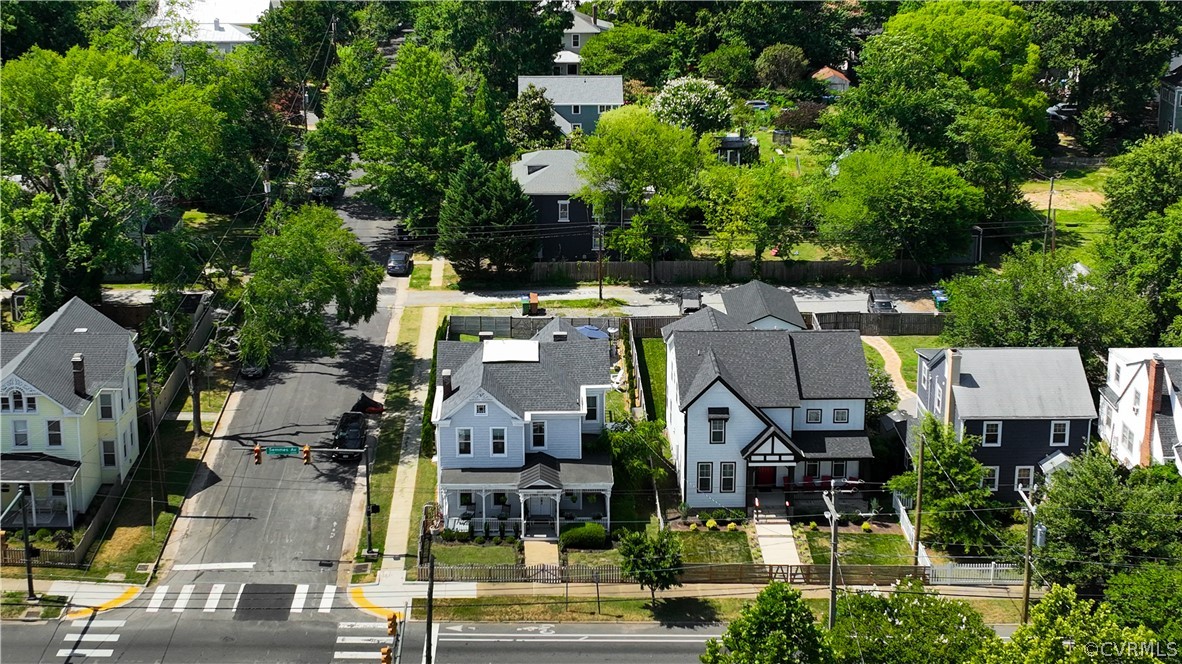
x: 696, y: 104
x: 53, y: 26
x: 884, y: 398
x: 1149, y: 595
x: 529, y: 121
x: 498, y: 40
x: 781, y: 65
x: 1147, y: 257
x: 654, y: 562
x: 101, y: 142
x: 1038, y: 300
x: 886, y: 202
x: 956, y: 501
x: 1146, y: 179
x: 304, y: 262
x: 731, y: 65
x: 993, y: 151
x: 821, y: 29
x: 632, y: 51
x: 776, y: 627
x: 300, y: 38
x: 486, y: 218
x: 907, y: 624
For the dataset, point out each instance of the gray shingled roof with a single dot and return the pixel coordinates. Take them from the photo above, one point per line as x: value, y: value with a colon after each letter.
x: 769, y: 368
x: 42, y: 357
x: 17, y: 467
x: 540, y: 472
x: 755, y: 299
x: 548, y: 172
x: 1174, y: 371
x: 1017, y: 383
x: 832, y: 445
x: 585, y: 25
x: 559, y: 324
x: 580, y: 90
x: 593, y: 468
x: 1167, y: 434
x: 551, y: 384
x: 706, y: 318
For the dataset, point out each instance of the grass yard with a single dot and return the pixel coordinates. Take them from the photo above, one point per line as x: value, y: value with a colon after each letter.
x: 859, y: 548
x: 714, y: 547
x: 617, y: 406
x: 873, y: 357
x: 905, y: 346
x: 13, y: 606
x: 583, y: 307
x: 420, y: 277
x: 810, y: 162
x: 708, y: 249
x: 552, y: 609
x: 474, y: 554
x: 593, y: 557
x: 215, y: 389
x: 425, y: 480
x: 1079, y: 194
x: 239, y: 234
x: 652, y: 376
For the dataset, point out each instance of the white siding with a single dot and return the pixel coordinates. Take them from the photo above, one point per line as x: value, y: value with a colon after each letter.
x: 856, y: 407
x: 742, y: 427
x: 564, y: 435
x: 782, y: 417
x: 595, y: 425
x: 465, y: 417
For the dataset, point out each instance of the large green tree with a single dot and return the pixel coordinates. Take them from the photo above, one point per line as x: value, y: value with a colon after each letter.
x: 529, y: 121
x: 781, y: 65
x: 1148, y: 258
x: 777, y: 627
x: 821, y: 29
x: 304, y: 262
x: 1146, y: 179
x: 696, y: 104
x: 300, y: 38
x: 486, y: 220
x: 993, y: 151
x: 1036, y: 299
x: 731, y: 65
x: 632, y: 51
x: 1149, y: 595
x: 652, y: 561
x: 907, y: 624
x: 101, y: 142
x: 887, y: 202
x: 956, y: 502
x: 53, y: 26
x: 419, y: 118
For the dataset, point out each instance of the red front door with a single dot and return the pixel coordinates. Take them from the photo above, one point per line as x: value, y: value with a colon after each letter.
x: 765, y: 476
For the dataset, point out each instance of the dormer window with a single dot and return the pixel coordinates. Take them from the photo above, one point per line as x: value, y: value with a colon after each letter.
x: 18, y: 400
x: 1116, y: 374
x: 106, y: 406
x: 482, y: 409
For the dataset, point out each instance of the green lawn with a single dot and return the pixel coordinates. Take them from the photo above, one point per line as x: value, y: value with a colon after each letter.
x: 420, y: 278
x: 905, y: 346
x: 14, y: 606
x: 617, y: 406
x: 557, y: 608
x: 590, y: 557
x: 473, y: 554
x: 1079, y: 194
x: 708, y: 249
x: 235, y: 237
x: 714, y: 547
x: 1078, y: 230
x: 652, y: 376
x: 859, y: 548
x: 424, y: 493
x: 811, y: 163
x: 873, y: 357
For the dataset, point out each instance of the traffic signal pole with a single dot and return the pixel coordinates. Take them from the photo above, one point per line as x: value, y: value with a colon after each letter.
x: 26, y: 494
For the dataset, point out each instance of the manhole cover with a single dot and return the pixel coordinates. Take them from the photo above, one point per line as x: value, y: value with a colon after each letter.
x: 361, y: 568
x: 144, y: 568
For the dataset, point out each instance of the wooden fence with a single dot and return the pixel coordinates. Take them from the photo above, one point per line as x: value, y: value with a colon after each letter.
x: 745, y: 573
x: 880, y: 324
x: 109, y: 494
x: 520, y: 327
x: 695, y: 271
x: 179, y: 376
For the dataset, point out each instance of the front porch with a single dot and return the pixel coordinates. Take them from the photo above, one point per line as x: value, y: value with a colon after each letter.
x: 503, y: 511
x: 51, y: 482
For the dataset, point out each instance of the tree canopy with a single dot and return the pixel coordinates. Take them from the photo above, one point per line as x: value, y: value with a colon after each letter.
x: 776, y: 627
x: 781, y: 65
x: 1145, y: 180
x: 529, y: 121
x: 1149, y: 595
x: 486, y: 220
x: 696, y: 104
x: 731, y: 65
x: 632, y: 51
x: 653, y: 561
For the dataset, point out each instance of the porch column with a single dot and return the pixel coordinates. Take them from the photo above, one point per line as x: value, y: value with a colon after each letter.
x: 607, y: 507
x: 70, y: 504
x: 33, y: 500
x: 521, y: 502
x: 557, y: 513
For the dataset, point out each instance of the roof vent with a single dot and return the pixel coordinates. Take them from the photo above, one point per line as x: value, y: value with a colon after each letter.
x: 78, y: 330
x: 559, y: 335
x: 534, y: 168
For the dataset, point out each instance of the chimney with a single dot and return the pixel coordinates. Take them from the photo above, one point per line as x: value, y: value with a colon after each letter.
x: 79, y: 374
x: 559, y: 335
x: 595, y: 15
x: 217, y: 25
x: 447, y: 388
x: 952, y: 362
x: 1152, y: 406
x: 485, y: 336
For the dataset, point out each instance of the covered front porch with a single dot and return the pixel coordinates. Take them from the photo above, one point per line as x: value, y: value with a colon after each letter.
x: 51, y: 483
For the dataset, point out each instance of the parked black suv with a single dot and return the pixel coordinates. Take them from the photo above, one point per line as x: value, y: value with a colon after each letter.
x: 400, y: 264
x: 348, y: 439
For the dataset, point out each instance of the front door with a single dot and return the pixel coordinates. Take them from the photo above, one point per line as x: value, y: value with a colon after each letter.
x: 765, y: 476
x: 541, y: 506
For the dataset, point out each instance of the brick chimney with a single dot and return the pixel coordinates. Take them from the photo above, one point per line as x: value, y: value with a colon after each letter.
x: 485, y: 336
x: 79, y: 367
x: 1155, y: 374
x: 595, y: 15
x: 559, y: 335
x: 447, y: 387
x: 952, y: 364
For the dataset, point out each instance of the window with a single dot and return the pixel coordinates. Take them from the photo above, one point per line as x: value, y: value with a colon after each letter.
x: 991, y: 436
x: 1126, y: 438
x: 812, y: 416
x: 717, y: 432
x: 57, y: 490
x: 5, y: 404
x: 498, y: 441
x: 574, y: 40
x: 1116, y: 374
x: 1059, y: 433
x: 705, y: 477
x: 20, y: 433
x: 1136, y: 401
x: 18, y: 400
x: 482, y: 409
x: 466, y: 498
x: 812, y: 469
x: 53, y: 432
x: 500, y: 498
x: 1023, y: 477
x: 125, y: 445
x: 576, y: 125
x: 923, y: 376
x: 576, y: 110
x: 106, y: 406
x: 939, y: 402
x: 839, y: 469
x: 30, y: 404
x: 108, y: 454
x: 726, y: 477
x: 604, y: 108
x: 841, y: 415
x: 990, y: 479
x: 592, y: 407
x: 538, y: 435
x: 563, y: 210
x: 463, y: 442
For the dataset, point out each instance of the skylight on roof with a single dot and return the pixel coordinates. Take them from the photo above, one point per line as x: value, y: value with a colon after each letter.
x: 79, y: 329
x: 509, y: 350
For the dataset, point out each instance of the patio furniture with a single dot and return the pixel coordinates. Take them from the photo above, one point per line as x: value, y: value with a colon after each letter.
x: 808, y: 482
x: 467, y: 515
x: 825, y: 479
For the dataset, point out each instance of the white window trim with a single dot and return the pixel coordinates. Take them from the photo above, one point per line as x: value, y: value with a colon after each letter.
x: 592, y: 398
x: 722, y: 477
x: 996, y: 476
x: 504, y: 437
x: 576, y: 109
x: 476, y: 409
x: 1017, y: 473
x: 576, y: 40
x: 564, y: 205
x: 471, y: 442
x: 110, y: 396
x: 808, y: 414
x: 545, y: 436
x: 845, y: 470
x: 30, y: 403
x: 923, y: 376
x: 709, y: 477
x: 711, y: 431
x: 985, y: 436
x: 939, y: 404
x: 1066, y: 433
x: 114, y: 453
x: 817, y: 475
x: 49, y: 436
x: 470, y: 495
x: 841, y: 410
x: 576, y: 125
x: 24, y: 426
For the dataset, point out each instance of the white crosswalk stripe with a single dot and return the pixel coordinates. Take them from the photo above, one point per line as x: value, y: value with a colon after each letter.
x: 225, y: 597
x: 86, y: 652
x: 182, y: 600
x: 215, y: 594
x: 326, y: 599
x: 301, y: 596
x: 355, y: 654
x: 357, y: 644
x: 157, y: 599
x: 85, y: 633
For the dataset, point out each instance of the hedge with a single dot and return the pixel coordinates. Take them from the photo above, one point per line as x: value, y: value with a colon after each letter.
x: 586, y: 536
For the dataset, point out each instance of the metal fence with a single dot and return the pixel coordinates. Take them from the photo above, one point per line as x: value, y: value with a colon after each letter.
x: 880, y: 324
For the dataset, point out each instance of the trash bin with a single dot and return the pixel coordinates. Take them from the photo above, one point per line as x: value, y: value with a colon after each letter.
x: 941, y: 299
x: 524, y: 305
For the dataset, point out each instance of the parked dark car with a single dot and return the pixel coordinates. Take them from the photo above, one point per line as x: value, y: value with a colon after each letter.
x: 254, y: 371
x: 880, y: 305
x: 325, y: 187
x: 400, y: 264
x: 348, y: 439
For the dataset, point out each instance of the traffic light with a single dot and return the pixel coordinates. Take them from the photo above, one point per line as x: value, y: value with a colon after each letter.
x: 307, y: 454
x: 258, y: 454
x: 387, y: 655
x: 392, y: 623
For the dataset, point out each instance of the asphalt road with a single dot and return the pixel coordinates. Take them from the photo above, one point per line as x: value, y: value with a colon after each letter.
x: 514, y: 643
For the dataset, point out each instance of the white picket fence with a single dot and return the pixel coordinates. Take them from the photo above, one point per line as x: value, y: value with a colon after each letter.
x: 909, y: 530
x: 956, y: 574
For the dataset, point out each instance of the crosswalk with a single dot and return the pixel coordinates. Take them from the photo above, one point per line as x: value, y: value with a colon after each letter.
x: 215, y: 597
x: 358, y: 641
x: 90, y: 638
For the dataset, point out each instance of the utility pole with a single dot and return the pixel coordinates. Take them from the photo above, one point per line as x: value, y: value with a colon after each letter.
x: 918, y: 502
x: 427, y: 656
x: 599, y: 260
x: 368, y: 506
x: 1050, y: 200
x: 26, y: 495
x: 831, y: 502
x: 1029, y: 551
x: 1054, y: 230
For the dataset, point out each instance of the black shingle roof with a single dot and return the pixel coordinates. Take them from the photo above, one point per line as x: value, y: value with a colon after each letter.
x: 755, y: 300
x: 706, y: 318
x: 17, y: 467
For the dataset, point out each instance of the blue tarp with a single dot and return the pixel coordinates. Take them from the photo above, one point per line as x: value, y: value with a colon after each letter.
x: 592, y: 332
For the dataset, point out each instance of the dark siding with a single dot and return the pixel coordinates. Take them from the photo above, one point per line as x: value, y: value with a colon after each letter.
x: 1023, y: 443
x: 568, y: 240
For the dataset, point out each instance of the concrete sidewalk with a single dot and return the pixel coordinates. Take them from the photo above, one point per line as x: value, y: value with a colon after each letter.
x: 84, y: 597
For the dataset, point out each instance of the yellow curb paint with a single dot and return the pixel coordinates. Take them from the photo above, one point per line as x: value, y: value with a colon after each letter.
x: 362, y: 602
x: 126, y: 597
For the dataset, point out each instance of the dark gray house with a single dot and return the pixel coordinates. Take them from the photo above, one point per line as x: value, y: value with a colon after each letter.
x: 1170, y: 103
x: 1032, y: 407
x: 578, y: 100
x: 566, y: 225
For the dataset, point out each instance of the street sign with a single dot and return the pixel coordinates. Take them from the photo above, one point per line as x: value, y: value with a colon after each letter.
x: 282, y: 450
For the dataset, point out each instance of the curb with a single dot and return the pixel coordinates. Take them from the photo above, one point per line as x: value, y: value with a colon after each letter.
x: 362, y: 603
x: 128, y: 595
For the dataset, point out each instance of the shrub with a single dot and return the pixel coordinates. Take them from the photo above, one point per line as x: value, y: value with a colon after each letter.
x: 43, y: 534
x: 586, y: 536
x: 64, y: 540
x: 803, y: 116
x: 694, y: 527
x: 502, y: 529
x: 448, y: 535
x: 711, y: 524
x: 486, y: 529
x: 812, y: 525
x: 496, y: 541
x: 866, y: 527
x: 509, y: 539
x: 732, y: 527
x: 479, y: 540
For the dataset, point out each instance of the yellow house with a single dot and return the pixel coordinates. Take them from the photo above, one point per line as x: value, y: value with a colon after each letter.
x: 68, y: 393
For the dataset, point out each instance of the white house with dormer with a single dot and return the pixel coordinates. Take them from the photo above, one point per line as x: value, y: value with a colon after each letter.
x: 1140, y: 406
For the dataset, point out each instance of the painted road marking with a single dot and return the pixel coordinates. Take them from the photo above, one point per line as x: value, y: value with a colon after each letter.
x: 346, y: 654
x: 99, y: 624
x: 238, y: 597
x: 157, y: 599
x: 90, y: 652
x: 102, y: 638
x: 183, y: 599
x: 203, y: 567
x: 353, y: 640
x: 215, y: 595
x: 326, y: 599
x: 362, y: 625
x: 126, y: 597
x: 301, y: 595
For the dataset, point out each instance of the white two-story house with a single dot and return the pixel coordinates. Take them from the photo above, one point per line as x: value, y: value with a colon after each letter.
x: 514, y: 422
x: 68, y: 394
x: 1140, y: 407
x: 568, y: 61
x: 750, y: 409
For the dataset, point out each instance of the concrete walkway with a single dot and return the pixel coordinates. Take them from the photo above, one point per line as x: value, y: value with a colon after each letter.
x: 776, y: 543
x: 541, y: 553
x: 894, y: 366
x: 84, y: 597
x: 436, y: 272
